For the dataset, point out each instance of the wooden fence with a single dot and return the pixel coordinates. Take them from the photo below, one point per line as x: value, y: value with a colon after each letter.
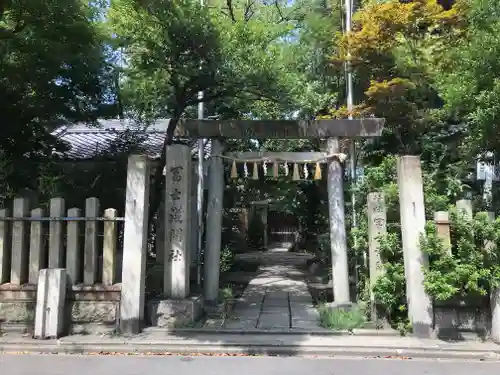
x: 31, y: 241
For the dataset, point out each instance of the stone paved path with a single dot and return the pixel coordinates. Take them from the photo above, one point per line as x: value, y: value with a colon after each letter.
x: 278, y: 297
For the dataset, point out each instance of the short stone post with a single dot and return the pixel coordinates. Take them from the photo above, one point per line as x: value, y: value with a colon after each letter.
x: 73, y: 249
x: 338, y: 238
x: 91, y: 250
x: 20, y: 251
x: 109, y: 247
x: 5, y: 257
x: 377, y: 226
x: 411, y: 202
x: 442, y: 222
x: 135, y: 244
x: 465, y: 207
x: 214, y: 224
x: 50, y: 298
x: 38, y: 255
x: 56, y: 234
x: 177, y: 254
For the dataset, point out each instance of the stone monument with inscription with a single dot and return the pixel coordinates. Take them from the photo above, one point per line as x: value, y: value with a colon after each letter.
x: 177, y: 305
x: 377, y: 226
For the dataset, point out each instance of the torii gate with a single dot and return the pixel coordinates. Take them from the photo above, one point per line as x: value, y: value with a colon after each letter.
x: 331, y: 130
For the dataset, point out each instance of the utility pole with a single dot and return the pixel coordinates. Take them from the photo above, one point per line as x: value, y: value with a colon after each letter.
x: 350, y: 105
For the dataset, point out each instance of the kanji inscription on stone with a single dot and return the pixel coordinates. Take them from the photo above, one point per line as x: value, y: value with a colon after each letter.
x: 175, y: 214
x: 176, y: 173
x: 175, y: 194
x: 377, y: 226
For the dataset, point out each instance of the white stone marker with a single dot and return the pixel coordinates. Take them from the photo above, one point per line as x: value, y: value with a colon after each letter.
x: 177, y: 252
x: 338, y: 237
x: 411, y: 202
x: 377, y: 226
x: 135, y: 244
x: 50, y: 298
x: 214, y: 224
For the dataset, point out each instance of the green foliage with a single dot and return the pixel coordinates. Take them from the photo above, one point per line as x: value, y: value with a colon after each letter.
x: 472, y: 268
x: 338, y: 319
x: 52, y: 70
x: 226, y: 259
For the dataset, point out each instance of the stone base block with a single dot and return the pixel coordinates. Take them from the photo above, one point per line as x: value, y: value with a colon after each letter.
x: 17, y: 308
x: 175, y: 313
x: 94, y: 309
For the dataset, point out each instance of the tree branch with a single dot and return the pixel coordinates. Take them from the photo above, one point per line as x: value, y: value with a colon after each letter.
x: 249, y: 12
x: 280, y: 13
x: 230, y: 9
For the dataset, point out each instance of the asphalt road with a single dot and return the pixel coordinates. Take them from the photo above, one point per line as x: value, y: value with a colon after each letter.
x: 178, y: 365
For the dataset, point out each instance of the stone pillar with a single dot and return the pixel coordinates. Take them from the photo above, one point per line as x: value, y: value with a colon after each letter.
x: 494, y: 296
x: 411, y: 202
x: 20, y: 252
x: 377, y: 226
x: 177, y: 210
x: 442, y: 222
x: 135, y: 244
x: 56, y: 233
x: 214, y: 224
x: 264, y: 212
x: 338, y: 238
x: 5, y: 257
x: 465, y: 207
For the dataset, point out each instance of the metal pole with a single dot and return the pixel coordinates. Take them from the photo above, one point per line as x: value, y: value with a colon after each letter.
x: 199, y: 205
x: 199, y: 202
x: 350, y: 105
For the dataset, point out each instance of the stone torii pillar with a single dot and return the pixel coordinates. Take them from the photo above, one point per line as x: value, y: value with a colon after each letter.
x: 336, y: 213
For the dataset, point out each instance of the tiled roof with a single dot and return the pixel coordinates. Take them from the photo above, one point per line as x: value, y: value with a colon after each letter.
x: 87, y: 141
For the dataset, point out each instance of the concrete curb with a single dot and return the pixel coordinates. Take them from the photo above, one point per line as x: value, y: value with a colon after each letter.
x: 154, y: 348
x: 223, y: 331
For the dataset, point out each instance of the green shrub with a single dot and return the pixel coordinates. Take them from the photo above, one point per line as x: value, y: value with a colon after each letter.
x: 338, y: 319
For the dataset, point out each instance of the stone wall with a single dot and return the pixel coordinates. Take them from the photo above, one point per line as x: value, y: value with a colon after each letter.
x: 88, y: 309
x: 17, y: 307
x: 459, y: 317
